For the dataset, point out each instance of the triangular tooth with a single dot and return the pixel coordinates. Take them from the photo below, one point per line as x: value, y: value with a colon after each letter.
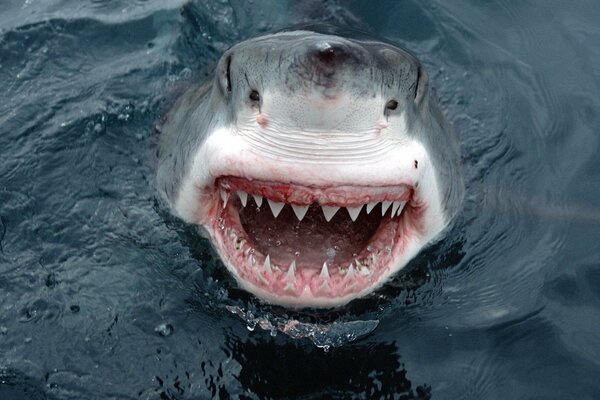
x: 267, y: 265
x: 329, y: 212
x: 257, y: 199
x: 370, y: 206
x: 224, y: 197
x: 324, y: 288
x: 324, y: 272
x: 290, y: 287
x: 365, y: 271
x: 300, y: 211
x: 395, y: 208
x: 350, y: 274
x: 243, y: 197
x: 260, y: 277
x: 384, y: 206
x: 276, y: 207
x: 290, y: 276
x: 354, y: 211
x: 402, y: 204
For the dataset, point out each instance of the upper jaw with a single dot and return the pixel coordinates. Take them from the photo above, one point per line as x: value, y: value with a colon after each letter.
x: 299, y: 194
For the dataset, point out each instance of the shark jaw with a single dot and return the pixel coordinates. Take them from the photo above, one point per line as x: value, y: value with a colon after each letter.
x: 302, y: 246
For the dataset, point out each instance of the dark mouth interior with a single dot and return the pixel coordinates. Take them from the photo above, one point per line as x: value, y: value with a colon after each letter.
x: 313, y: 240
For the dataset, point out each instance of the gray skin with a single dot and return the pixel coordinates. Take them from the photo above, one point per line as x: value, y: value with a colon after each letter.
x: 296, y: 64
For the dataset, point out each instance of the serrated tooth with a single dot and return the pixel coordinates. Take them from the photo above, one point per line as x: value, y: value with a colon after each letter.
x: 290, y: 287
x: 290, y: 276
x: 350, y: 274
x: 329, y: 212
x: 257, y: 199
x: 373, y: 259
x: 402, y: 204
x: 354, y: 211
x: 370, y: 206
x: 384, y: 206
x: 365, y: 271
x: 359, y: 265
x: 267, y: 265
x: 300, y: 211
x: 324, y: 272
x: 276, y: 207
x: 395, y: 207
x: 243, y: 197
x: 260, y: 277
x: 224, y: 197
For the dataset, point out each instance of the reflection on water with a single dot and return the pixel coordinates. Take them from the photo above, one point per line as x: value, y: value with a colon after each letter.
x: 105, y: 295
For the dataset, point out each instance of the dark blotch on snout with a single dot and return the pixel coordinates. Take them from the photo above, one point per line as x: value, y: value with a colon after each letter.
x: 326, y: 59
x: 329, y: 55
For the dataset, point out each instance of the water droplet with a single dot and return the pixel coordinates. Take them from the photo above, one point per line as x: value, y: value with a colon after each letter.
x: 164, y: 329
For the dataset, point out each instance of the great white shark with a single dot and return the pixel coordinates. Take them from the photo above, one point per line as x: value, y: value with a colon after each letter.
x: 318, y: 165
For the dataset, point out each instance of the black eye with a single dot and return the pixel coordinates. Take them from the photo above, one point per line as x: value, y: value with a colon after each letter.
x: 391, y: 105
x: 254, y: 96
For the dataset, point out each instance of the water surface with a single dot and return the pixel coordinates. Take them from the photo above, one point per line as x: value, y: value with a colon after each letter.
x: 104, y: 295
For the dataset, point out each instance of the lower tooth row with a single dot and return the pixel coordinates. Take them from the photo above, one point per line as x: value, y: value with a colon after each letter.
x: 264, y: 273
x: 328, y: 211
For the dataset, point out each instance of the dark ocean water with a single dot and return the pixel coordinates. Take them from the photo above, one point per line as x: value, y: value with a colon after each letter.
x: 104, y: 295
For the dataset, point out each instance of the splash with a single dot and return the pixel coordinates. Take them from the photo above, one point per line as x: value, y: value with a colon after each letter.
x: 324, y: 336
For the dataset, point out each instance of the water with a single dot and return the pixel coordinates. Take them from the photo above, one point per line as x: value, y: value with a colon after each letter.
x: 104, y: 295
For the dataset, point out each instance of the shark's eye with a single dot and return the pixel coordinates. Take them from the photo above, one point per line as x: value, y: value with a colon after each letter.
x: 254, y: 96
x: 391, y: 105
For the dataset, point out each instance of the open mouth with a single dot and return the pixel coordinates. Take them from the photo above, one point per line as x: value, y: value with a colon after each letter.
x: 310, y: 246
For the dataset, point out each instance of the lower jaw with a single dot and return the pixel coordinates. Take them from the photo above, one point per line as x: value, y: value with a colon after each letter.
x: 310, y: 286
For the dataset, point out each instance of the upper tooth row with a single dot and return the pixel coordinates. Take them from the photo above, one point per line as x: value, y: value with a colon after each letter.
x: 328, y: 211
